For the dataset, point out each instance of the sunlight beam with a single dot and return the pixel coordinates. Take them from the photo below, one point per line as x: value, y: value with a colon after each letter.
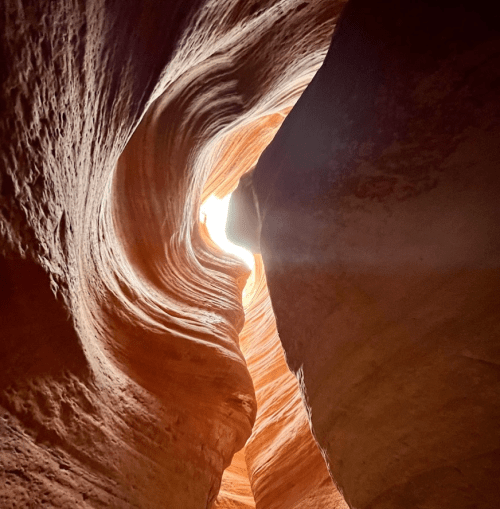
x: 213, y: 213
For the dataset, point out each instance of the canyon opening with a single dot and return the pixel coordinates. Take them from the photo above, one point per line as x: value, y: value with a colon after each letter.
x: 213, y: 213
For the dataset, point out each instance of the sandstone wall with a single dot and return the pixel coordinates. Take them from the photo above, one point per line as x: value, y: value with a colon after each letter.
x: 381, y: 244
x: 122, y: 381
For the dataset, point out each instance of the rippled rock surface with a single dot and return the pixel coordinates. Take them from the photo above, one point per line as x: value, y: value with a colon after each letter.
x: 122, y: 381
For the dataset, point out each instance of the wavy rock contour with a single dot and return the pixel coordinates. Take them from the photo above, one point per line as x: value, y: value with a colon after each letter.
x: 122, y: 380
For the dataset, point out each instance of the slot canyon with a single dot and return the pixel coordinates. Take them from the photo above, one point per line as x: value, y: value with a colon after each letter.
x: 357, y: 363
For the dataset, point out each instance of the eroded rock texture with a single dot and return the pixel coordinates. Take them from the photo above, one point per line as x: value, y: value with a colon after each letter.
x: 122, y: 382
x: 381, y: 244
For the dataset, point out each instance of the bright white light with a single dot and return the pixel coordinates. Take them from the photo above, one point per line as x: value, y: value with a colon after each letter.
x: 213, y: 213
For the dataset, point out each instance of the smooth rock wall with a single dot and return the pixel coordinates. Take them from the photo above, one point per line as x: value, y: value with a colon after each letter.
x: 381, y: 245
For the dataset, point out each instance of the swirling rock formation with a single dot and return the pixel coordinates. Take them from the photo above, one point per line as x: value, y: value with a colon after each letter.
x: 122, y: 382
x: 128, y: 374
x: 380, y: 237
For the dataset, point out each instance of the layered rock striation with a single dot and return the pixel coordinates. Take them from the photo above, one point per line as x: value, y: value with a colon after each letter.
x: 122, y: 380
x: 285, y: 464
